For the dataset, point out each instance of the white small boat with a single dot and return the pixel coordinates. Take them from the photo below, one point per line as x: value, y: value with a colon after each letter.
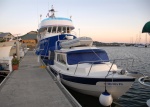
x: 88, y: 70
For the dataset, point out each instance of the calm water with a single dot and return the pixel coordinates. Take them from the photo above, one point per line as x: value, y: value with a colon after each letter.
x: 137, y: 95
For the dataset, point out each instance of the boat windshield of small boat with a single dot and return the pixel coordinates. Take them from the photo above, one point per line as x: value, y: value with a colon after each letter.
x: 93, y: 56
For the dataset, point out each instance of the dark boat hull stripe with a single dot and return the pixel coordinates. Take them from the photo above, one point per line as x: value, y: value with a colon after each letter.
x: 90, y: 81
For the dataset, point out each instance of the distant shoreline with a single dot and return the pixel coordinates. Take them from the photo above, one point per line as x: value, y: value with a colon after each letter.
x: 99, y: 44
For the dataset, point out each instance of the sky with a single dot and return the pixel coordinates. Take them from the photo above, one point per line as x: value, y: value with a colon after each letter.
x: 102, y: 20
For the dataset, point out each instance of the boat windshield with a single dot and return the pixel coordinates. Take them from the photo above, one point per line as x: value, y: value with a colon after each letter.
x: 98, y: 57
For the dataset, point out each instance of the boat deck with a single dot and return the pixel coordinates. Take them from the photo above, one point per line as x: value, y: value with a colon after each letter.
x: 31, y: 86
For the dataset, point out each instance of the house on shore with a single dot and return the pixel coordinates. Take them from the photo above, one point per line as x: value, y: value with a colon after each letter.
x: 4, y: 37
x: 30, y: 39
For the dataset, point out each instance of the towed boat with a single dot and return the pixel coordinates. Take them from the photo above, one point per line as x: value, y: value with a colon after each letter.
x: 78, y: 64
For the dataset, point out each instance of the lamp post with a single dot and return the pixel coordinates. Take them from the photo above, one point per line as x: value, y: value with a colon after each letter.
x: 17, y: 35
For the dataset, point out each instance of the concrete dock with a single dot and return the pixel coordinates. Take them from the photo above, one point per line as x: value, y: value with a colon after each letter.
x: 31, y: 86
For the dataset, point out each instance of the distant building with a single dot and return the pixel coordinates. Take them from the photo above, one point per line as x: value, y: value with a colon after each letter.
x: 30, y: 39
x: 5, y: 36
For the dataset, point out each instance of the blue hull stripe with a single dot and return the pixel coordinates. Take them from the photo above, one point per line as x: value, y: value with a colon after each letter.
x: 91, y: 81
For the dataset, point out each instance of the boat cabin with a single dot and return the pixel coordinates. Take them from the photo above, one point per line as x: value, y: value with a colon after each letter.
x: 93, y: 56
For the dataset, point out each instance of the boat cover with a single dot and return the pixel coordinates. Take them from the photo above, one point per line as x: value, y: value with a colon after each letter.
x: 81, y: 41
x: 97, y: 55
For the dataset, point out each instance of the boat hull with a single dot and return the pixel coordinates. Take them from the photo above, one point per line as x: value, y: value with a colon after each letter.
x: 95, y: 86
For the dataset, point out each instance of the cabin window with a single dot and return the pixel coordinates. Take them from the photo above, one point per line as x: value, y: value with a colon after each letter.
x: 49, y: 29
x: 61, y: 58
x: 64, y: 29
x: 59, y: 29
x: 68, y: 30
x: 54, y: 29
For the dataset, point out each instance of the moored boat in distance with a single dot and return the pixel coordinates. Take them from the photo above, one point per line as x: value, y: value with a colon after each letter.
x: 78, y: 64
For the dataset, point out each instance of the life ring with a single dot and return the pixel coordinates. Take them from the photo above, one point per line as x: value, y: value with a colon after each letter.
x: 142, y: 81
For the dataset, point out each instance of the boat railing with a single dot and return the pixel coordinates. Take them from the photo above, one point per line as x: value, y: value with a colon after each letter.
x: 102, y: 61
x: 127, y: 64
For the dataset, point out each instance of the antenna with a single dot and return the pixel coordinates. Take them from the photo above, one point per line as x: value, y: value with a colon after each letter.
x: 17, y: 35
x: 51, y: 13
x: 37, y: 14
x: 48, y: 5
x: 40, y: 17
x: 70, y: 17
x: 79, y: 32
